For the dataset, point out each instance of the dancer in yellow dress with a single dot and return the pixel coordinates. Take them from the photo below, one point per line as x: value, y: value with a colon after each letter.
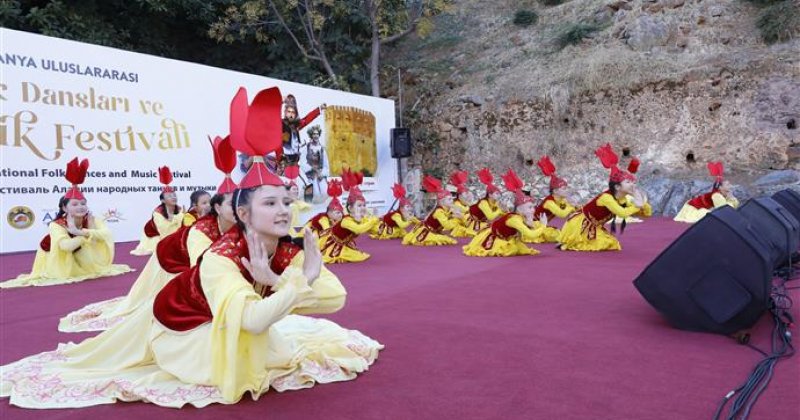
x: 298, y: 205
x: 506, y: 236
x: 585, y: 230
x: 461, y: 205
x: 78, y: 246
x: 555, y: 204
x: 228, y: 327
x: 199, y: 206
x: 393, y: 224
x: 431, y: 232
x: 487, y: 208
x: 720, y: 196
x: 166, y: 218
x: 320, y: 223
x: 339, y: 242
x: 174, y: 254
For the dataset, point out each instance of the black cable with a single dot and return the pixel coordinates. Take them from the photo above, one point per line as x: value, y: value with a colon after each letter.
x: 781, y: 346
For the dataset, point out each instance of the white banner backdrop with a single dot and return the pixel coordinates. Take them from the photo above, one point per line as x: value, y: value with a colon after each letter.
x: 130, y: 113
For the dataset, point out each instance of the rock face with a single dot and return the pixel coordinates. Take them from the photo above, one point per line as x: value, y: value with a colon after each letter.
x: 676, y: 83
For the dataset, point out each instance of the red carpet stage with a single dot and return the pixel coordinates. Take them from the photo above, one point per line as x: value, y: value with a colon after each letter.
x: 555, y: 336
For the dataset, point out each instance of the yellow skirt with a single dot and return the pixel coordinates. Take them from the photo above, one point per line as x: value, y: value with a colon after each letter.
x: 84, y: 267
x: 146, y: 245
x: 422, y: 236
x: 334, y: 252
x: 485, y: 244
x: 383, y: 232
x: 572, y: 238
x: 690, y: 214
x: 100, y: 316
x: 462, y: 231
x: 139, y: 360
x: 550, y: 235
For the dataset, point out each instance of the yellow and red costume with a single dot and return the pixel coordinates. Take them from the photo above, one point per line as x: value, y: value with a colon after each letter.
x: 64, y: 258
x: 585, y: 230
x: 551, y: 206
x: 696, y: 208
x: 159, y: 225
x: 393, y: 225
x: 486, y: 209
x: 506, y: 236
x: 338, y: 245
x: 431, y: 232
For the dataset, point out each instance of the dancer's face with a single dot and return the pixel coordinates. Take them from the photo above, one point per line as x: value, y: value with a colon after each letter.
x: 495, y: 196
x: 725, y: 187
x: 560, y: 192
x: 203, y: 205
x: 290, y: 113
x: 446, y: 201
x: 334, y: 215
x: 224, y: 210
x: 294, y: 191
x: 170, y: 199
x: 627, y: 186
x: 76, y: 208
x: 358, y: 209
x: 267, y: 213
x: 526, y: 210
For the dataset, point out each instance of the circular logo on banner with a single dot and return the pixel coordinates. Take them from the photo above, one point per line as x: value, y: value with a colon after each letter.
x: 20, y: 217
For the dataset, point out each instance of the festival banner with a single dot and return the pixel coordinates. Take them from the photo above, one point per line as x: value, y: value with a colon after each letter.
x: 130, y: 113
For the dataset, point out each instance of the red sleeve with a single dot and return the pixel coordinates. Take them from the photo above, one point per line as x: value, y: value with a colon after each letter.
x: 308, y: 118
x: 172, y: 253
x: 181, y: 305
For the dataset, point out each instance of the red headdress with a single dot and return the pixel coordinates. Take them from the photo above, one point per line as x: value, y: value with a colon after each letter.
x: 225, y: 161
x: 292, y: 172
x: 256, y: 130
x: 459, y: 180
x: 334, y: 191
x: 609, y: 159
x: 399, y: 193
x: 165, y: 177
x: 548, y: 169
x: 716, y: 170
x: 486, y: 178
x: 514, y: 184
x: 351, y: 181
x: 434, y: 186
x: 76, y: 174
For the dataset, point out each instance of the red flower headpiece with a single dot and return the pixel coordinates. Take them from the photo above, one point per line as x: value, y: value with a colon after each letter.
x: 76, y: 174
x: 225, y: 161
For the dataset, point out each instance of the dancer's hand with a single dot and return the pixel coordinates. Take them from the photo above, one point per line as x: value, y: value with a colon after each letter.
x: 258, y: 263
x: 543, y: 219
x: 312, y: 263
x: 72, y: 228
x: 638, y: 198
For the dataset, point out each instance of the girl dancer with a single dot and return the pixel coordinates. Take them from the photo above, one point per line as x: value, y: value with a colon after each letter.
x: 394, y: 223
x: 555, y: 204
x: 166, y: 218
x: 431, y: 231
x: 506, y: 236
x: 339, y: 243
x: 78, y: 246
x: 585, y: 230
x: 720, y: 195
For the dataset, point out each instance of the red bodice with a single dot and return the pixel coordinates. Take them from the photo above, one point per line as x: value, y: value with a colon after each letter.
x: 703, y: 201
x: 181, y: 305
x: 173, y: 250
x: 541, y: 210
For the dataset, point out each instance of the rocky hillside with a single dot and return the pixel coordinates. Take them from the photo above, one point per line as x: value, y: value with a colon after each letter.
x: 676, y: 83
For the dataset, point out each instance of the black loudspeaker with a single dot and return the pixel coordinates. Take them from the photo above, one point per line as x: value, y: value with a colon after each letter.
x: 790, y: 200
x: 777, y: 229
x: 716, y: 277
x: 401, y: 143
